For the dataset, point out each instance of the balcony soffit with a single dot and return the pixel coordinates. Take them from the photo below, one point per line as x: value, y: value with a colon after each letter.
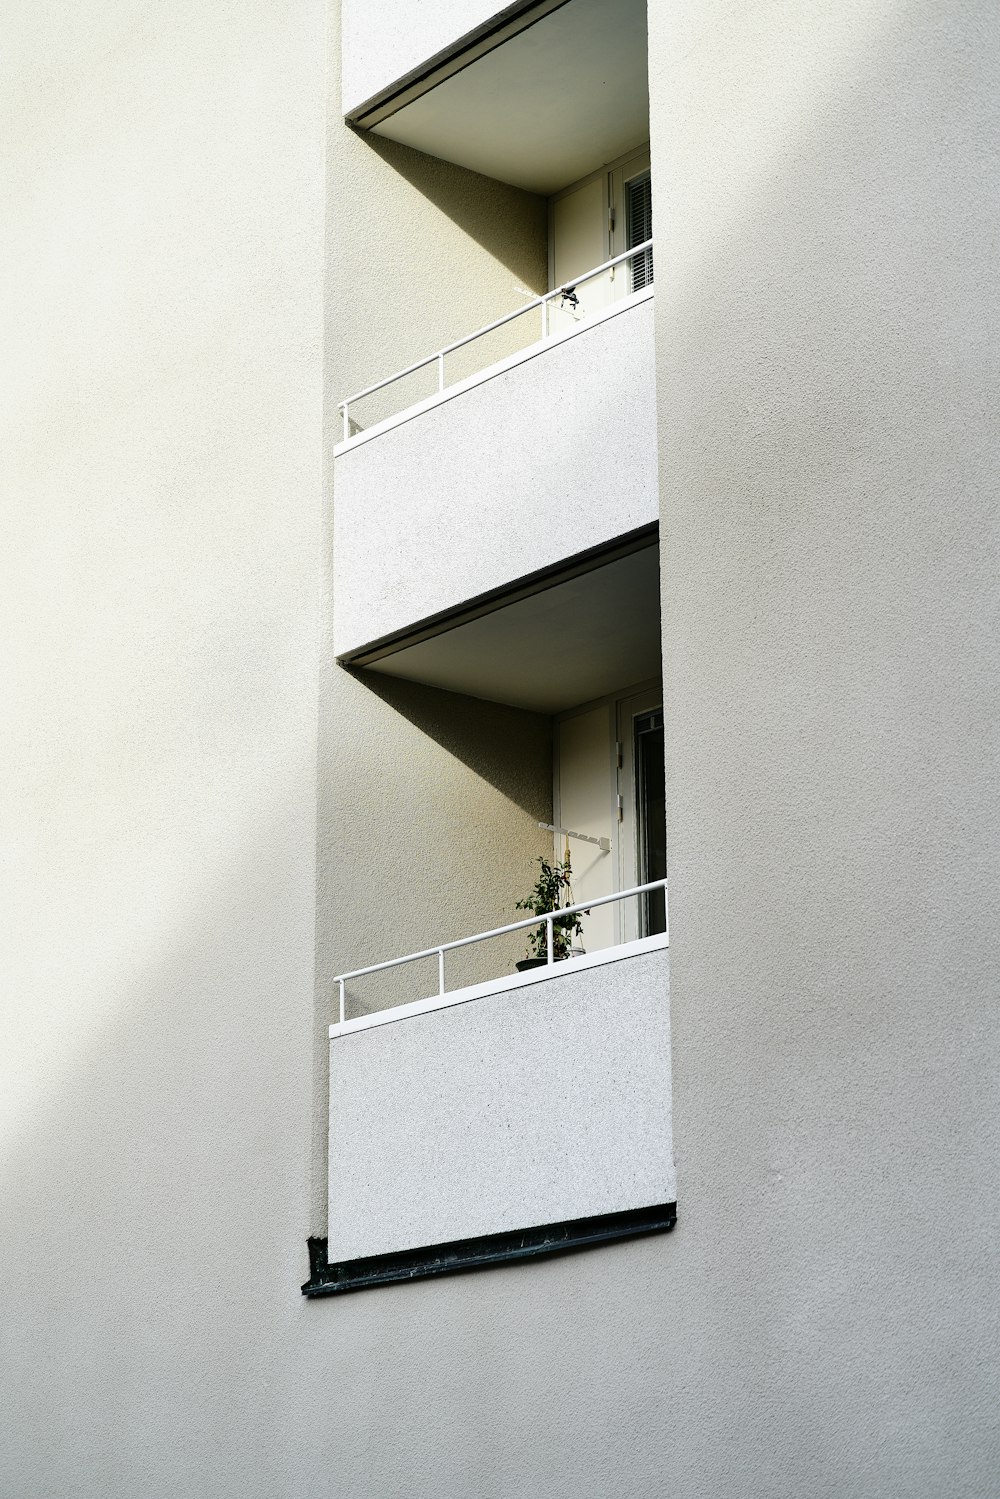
x: 550, y: 104
x: 567, y: 643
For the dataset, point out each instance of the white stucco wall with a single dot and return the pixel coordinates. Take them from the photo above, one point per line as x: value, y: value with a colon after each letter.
x: 430, y: 805
x: 822, y: 1320
x: 828, y: 335
x: 384, y: 40
x: 161, y: 452
x: 544, y: 1100
x: 541, y: 461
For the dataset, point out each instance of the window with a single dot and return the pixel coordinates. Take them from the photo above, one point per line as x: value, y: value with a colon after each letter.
x: 639, y: 228
x: 650, y: 816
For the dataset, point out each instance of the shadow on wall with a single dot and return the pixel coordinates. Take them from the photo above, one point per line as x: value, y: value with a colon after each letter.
x: 429, y: 813
x: 826, y: 348
x: 429, y: 253
x: 483, y: 208
x: 479, y: 734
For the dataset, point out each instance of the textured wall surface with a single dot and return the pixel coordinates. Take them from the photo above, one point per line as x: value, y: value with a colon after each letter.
x: 431, y: 803
x: 829, y: 352
x: 822, y: 1321
x: 546, y: 1101
x: 419, y: 254
x: 163, y: 215
x: 385, y: 39
x: 543, y: 460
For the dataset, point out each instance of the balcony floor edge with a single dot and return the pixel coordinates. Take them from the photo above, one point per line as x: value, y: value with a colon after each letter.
x: 482, y: 1253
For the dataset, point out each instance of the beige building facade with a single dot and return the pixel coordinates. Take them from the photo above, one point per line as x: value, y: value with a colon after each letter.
x: 440, y: 437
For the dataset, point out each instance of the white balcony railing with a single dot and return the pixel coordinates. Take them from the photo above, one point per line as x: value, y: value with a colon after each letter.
x: 547, y: 920
x: 640, y: 261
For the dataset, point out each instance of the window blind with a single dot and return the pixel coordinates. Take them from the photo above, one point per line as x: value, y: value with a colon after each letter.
x: 639, y: 227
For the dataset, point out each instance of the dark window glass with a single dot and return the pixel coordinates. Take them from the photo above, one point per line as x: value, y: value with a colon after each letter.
x: 651, y: 818
x: 639, y: 213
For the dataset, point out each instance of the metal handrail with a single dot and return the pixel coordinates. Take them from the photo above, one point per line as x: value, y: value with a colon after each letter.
x: 541, y: 301
x: 547, y: 920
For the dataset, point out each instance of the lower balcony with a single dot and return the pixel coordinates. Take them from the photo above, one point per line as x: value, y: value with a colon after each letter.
x: 501, y: 1120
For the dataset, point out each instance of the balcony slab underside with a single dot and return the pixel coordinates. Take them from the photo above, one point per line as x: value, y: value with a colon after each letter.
x: 550, y: 459
x: 534, y: 94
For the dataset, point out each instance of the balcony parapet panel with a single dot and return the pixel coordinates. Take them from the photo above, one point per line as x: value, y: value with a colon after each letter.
x: 543, y: 457
x: 541, y: 1099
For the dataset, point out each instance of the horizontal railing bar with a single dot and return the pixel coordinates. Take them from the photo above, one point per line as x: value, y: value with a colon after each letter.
x: 501, y: 931
x: 499, y: 322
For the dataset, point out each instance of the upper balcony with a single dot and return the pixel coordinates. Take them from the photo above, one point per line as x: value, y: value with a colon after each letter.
x: 545, y: 455
x: 532, y: 93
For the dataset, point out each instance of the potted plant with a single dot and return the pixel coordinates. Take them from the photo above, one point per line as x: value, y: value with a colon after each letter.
x: 546, y: 895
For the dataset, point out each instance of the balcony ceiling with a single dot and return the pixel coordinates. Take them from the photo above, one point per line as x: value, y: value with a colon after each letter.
x: 546, y: 107
x: 572, y: 642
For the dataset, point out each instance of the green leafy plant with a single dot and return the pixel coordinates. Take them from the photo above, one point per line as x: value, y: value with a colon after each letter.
x: 547, y: 894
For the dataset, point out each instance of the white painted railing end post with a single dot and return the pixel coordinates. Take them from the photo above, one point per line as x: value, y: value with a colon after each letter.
x: 440, y: 372
x: 440, y: 970
x: 342, y: 1005
x: 550, y: 938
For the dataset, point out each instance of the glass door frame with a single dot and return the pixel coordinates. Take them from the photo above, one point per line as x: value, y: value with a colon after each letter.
x: 631, y: 835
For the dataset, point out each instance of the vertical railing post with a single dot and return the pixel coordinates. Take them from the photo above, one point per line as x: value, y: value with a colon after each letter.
x: 545, y: 317
x: 341, y: 1001
x: 549, y: 938
x: 440, y: 372
x: 347, y: 422
x: 440, y: 970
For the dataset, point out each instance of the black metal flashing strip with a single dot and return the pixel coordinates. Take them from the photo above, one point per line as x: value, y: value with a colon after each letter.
x: 499, y: 598
x: 508, y: 23
x: 481, y: 1253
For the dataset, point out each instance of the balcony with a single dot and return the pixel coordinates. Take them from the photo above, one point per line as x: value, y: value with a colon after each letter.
x: 542, y: 456
x: 520, y: 1115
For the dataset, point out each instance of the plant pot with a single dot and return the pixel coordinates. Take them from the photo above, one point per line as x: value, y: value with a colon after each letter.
x: 527, y: 963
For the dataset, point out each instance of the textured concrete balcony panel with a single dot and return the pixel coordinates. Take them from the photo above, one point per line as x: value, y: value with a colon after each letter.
x: 541, y: 1100
x: 551, y: 456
